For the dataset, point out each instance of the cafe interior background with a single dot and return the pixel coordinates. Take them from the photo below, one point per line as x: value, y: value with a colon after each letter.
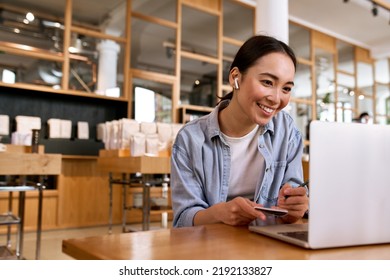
x: 167, y: 61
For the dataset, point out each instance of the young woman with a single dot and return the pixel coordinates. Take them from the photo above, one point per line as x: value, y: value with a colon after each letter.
x: 245, y: 153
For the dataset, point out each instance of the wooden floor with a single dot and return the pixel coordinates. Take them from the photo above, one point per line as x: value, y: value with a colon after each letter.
x: 51, y: 244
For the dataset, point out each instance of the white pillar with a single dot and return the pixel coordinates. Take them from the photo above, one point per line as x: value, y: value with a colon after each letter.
x: 272, y: 18
x: 107, y: 67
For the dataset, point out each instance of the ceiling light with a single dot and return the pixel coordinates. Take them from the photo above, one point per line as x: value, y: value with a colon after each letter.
x: 376, y: 4
x: 30, y: 16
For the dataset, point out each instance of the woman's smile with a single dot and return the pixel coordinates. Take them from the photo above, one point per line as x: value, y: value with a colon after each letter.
x: 266, y: 109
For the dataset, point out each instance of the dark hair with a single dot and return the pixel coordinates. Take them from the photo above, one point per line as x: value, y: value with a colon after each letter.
x: 255, y: 48
x: 364, y: 114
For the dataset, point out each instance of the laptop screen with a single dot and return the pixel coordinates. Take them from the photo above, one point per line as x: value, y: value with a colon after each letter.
x: 349, y: 184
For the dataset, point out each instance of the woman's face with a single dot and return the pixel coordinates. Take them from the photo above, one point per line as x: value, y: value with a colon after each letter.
x: 265, y: 88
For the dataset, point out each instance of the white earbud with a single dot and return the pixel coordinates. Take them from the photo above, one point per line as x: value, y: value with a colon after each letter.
x: 236, y: 83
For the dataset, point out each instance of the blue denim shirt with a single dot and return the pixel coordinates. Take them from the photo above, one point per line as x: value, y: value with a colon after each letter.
x: 200, y: 164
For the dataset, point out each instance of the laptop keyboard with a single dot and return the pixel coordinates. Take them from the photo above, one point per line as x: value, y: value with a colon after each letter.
x: 301, y: 235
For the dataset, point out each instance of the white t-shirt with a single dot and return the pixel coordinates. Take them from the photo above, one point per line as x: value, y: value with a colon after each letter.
x: 247, y: 164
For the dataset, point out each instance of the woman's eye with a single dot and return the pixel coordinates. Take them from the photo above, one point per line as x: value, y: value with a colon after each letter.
x: 267, y: 82
x: 287, y: 89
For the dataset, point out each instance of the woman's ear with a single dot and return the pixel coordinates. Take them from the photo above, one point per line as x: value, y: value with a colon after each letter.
x: 234, y: 77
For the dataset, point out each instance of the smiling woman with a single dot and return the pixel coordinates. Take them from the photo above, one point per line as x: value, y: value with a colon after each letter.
x: 246, y: 152
x: 264, y: 84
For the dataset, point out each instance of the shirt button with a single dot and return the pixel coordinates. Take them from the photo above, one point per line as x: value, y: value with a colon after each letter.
x: 261, y: 146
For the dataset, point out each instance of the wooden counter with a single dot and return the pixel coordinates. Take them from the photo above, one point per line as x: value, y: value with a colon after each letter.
x: 126, y: 165
x: 29, y: 164
x: 144, y: 164
x: 24, y: 164
x: 213, y: 242
x: 80, y: 197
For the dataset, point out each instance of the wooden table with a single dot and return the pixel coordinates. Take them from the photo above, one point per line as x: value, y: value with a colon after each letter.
x: 213, y: 242
x: 23, y: 164
x: 29, y: 164
x: 146, y: 166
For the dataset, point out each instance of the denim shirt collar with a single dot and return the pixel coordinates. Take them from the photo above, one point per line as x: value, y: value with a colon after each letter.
x: 213, y: 124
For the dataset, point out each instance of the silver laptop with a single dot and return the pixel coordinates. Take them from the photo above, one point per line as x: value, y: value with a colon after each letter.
x: 349, y: 200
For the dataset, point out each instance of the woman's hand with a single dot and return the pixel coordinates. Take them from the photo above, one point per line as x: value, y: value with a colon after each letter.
x: 236, y: 212
x: 294, y: 200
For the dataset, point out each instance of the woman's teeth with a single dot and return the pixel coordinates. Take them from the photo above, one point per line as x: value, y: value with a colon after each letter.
x: 268, y: 110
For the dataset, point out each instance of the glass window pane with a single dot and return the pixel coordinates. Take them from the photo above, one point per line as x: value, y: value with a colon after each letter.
x: 345, y: 81
x: 301, y: 114
x: 365, y: 78
x: 161, y: 108
x: 83, y: 63
x: 31, y: 70
x: 382, y: 120
x: 382, y: 71
x: 346, y: 57
x: 299, y: 41
x: 226, y: 69
x: 165, y: 9
x: 366, y: 105
x: 153, y: 47
x: 37, y: 30
x: 325, y: 86
x: 198, y: 83
x: 96, y: 65
x: 229, y: 52
x: 345, y: 90
x: 382, y: 99
x: 344, y: 111
x: 365, y: 84
x: 83, y: 75
x: 302, y: 82
x: 326, y: 112
x: 108, y: 16
x: 238, y: 20
x: 195, y: 37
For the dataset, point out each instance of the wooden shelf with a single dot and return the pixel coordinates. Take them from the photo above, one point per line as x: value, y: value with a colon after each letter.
x: 47, y: 89
x: 197, y: 108
x: 185, y: 111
